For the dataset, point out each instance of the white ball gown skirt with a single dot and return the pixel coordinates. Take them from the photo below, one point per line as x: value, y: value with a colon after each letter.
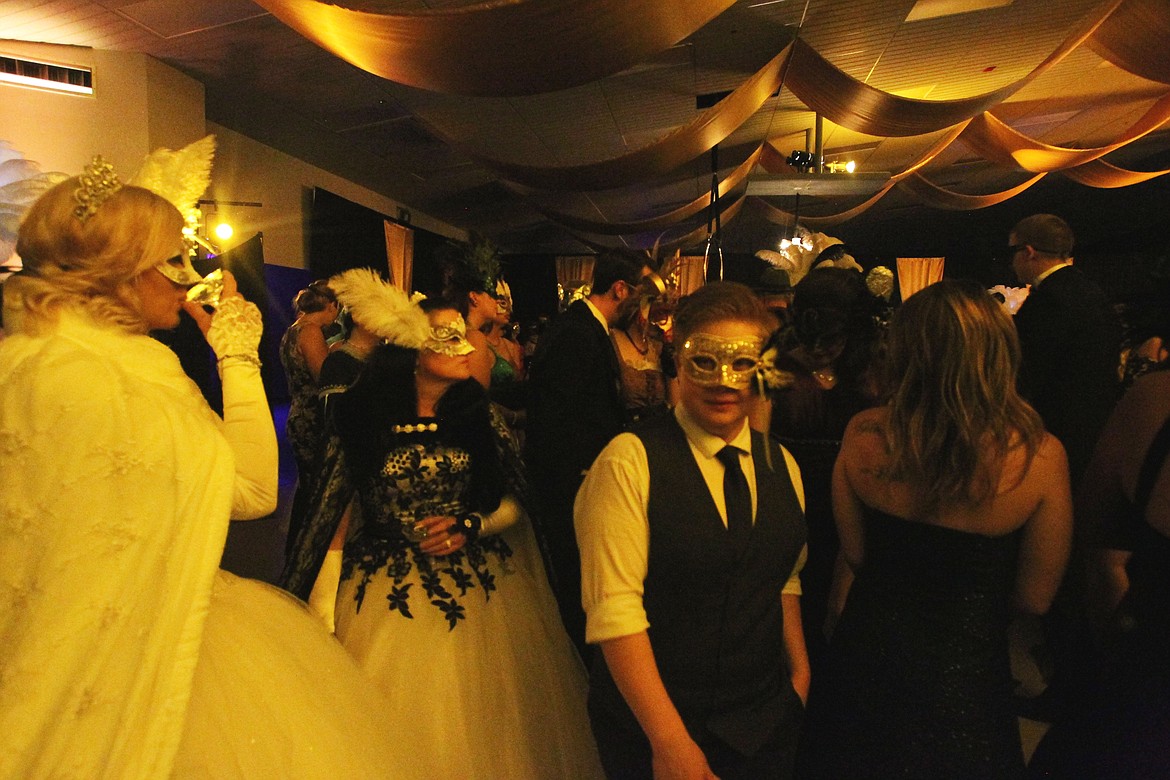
x: 498, y: 692
x: 275, y: 696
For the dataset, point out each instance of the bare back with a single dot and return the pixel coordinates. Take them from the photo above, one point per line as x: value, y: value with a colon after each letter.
x: 1030, y: 496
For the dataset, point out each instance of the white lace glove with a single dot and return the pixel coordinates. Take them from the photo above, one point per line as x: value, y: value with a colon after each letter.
x: 234, y: 334
x: 235, y: 331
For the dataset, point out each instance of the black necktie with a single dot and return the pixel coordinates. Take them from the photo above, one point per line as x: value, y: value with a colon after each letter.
x: 736, y: 494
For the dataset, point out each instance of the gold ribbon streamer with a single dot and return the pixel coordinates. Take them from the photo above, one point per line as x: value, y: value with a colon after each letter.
x: 1134, y: 39
x: 500, y: 47
x: 657, y: 158
x: 999, y: 142
x: 729, y: 183
x: 839, y: 97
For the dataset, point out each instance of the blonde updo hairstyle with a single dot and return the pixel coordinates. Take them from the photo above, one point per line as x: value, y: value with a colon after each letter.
x: 92, y: 265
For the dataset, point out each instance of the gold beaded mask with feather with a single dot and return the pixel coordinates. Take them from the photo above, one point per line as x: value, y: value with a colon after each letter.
x: 449, y: 338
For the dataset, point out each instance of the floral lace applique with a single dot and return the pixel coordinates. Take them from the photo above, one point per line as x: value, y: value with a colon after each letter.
x: 443, y: 581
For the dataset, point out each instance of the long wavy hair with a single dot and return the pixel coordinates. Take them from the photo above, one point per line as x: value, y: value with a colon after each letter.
x: 950, y: 373
x: 92, y: 265
x: 385, y: 396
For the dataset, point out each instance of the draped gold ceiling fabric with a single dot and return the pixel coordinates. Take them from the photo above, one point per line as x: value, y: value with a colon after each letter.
x: 488, y: 49
x: 1135, y: 39
x: 932, y: 195
x: 999, y: 142
x: 1101, y: 174
x: 692, y: 238
x: 617, y: 228
x: 839, y: 97
x: 582, y: 41
x: 659, y: 157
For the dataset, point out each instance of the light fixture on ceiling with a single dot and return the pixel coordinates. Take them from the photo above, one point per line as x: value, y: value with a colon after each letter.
x: 802, y: 160
x: 837, y: 166
x: 223, y: 231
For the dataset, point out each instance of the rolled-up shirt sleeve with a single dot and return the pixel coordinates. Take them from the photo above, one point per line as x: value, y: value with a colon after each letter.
x: 613, y: 534
x: 793, y: 587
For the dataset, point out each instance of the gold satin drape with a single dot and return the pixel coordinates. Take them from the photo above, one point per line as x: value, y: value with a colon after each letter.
x: 1099, y: 173
x: 729, y: 183
x: 501, y: 47
x: 1135, y: 37
x: 581, y: 41
x: 658, y: 157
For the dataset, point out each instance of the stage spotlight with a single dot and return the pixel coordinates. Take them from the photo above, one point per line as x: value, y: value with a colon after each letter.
x: 801, y: 160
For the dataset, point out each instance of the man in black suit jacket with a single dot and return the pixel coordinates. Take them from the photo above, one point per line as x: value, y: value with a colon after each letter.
x: 1070, y: 338
x: 575, y: 408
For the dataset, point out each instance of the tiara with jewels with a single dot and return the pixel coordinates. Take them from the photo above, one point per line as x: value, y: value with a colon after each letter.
x: 98, y: 182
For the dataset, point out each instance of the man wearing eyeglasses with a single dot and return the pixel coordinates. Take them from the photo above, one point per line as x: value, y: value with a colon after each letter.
x: 1070, y: 340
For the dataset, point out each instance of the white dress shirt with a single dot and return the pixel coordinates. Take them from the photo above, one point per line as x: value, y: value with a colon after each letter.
x: 613, y: 529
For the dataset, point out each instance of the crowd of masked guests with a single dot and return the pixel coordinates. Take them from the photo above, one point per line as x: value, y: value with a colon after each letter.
x: 914, y: 499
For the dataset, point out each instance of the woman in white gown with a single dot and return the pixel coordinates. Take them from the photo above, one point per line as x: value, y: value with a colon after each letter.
x: 443, y: 598
x: 124, y: 651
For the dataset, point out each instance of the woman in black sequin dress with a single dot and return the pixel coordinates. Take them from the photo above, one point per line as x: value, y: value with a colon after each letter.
x: 953, y: 508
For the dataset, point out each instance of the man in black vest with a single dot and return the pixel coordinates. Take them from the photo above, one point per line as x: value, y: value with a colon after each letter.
x: 575, y: 408
x: 691, y: 534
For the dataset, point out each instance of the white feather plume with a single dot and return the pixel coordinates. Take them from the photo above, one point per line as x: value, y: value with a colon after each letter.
x: 21, y: 183
x: 179, y: 176
x: 380, y: 307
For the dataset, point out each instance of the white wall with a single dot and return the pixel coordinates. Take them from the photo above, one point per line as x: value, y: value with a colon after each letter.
x: 139, y: 104
x: 248, y: 171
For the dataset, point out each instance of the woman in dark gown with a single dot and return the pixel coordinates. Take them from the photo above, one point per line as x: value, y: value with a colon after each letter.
x: 952, y: 505
x: 1124, y: 732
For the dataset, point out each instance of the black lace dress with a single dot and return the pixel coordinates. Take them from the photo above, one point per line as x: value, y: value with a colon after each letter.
x: 483, y: 680
x: 918, y: 682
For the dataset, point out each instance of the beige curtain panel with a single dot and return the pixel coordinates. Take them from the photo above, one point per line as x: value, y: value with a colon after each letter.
x: 914, y: 273
x: 490, y: 48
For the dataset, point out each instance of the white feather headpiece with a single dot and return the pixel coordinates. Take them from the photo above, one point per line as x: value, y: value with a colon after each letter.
x: 381, y: 308
x: 180, y: 176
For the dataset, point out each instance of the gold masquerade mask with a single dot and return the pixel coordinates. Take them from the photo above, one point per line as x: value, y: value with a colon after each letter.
x: 721, y: 361
x: 449, y: 339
